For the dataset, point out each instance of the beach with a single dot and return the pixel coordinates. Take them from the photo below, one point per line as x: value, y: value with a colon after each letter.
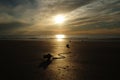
x: 83, y: 60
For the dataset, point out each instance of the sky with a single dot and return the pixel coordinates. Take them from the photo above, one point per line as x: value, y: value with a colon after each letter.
x: 35, y: 17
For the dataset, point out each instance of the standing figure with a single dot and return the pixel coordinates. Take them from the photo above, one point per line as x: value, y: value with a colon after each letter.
x: 67, y: 45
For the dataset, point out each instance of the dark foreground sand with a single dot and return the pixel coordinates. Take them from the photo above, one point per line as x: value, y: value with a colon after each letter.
x: 23, y: 60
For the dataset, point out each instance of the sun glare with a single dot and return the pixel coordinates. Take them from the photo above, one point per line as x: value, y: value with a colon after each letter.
x: 59, y: 19
x: 60, y: 36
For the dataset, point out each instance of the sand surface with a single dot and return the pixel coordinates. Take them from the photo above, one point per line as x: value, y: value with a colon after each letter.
x: 23, y: 60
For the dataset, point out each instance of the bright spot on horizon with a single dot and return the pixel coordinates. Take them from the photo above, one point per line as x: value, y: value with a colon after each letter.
x: 60, y: 36
x: 59, y: 19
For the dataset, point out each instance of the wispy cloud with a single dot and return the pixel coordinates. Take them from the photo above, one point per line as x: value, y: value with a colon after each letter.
x: 36, y: 15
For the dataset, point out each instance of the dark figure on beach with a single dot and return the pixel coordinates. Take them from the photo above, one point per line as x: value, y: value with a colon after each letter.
x: 48, y: 57
x: 47, y: 62
x: 67, y: 45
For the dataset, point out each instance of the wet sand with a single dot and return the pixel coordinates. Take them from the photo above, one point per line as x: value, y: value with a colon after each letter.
x: 23, y: 60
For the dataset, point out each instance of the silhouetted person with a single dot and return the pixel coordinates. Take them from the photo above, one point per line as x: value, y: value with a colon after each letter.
x: 46, y: 63
x: 48, y: 56
x: 67, y: 45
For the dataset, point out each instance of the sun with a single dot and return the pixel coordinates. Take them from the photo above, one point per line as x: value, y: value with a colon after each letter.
x: 59, y: 19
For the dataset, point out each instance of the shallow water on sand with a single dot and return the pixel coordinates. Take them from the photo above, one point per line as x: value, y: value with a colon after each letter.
x: 84, y: 60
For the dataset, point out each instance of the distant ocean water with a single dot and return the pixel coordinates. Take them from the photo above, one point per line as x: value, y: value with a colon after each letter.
x: 67, y: 37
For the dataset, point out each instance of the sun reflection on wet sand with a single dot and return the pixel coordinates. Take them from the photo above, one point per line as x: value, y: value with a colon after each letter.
x: 61, y: 66
x: 60, y: 40
x: 60, y: 37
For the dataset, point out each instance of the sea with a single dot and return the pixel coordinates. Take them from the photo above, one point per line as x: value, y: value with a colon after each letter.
x: 67, y: 37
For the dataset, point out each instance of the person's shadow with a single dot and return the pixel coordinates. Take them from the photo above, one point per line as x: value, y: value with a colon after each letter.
x: 45, y: 64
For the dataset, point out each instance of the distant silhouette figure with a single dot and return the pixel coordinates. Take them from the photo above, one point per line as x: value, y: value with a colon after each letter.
x: 67, y: 45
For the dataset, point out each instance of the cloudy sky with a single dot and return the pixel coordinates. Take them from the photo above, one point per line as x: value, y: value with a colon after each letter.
x: 35, y: 17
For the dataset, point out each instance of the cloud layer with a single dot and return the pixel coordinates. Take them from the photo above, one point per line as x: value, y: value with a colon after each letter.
x: 25, y: 17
